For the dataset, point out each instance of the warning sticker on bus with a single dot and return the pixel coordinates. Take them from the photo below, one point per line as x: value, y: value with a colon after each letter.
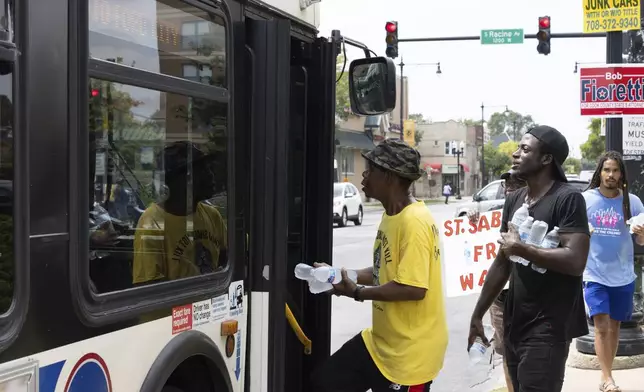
x: 219, y: 307
x: 181, y: 318
x: 201, y: 312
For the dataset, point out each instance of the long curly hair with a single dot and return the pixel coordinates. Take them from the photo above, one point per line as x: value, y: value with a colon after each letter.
x: 596, y: 180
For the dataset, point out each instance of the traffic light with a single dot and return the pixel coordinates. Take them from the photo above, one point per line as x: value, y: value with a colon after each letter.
x: 543, y: 36
x: 392, y: 39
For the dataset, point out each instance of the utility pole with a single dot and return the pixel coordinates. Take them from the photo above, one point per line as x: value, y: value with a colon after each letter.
x: 483, y: 183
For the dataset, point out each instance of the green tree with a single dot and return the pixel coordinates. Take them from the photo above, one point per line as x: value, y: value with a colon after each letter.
x: 508, y: 148
x: 342, y: 101
x: 595, y: 145
x: 514, y: 123
x: 496, y: 162
x: 572, y: 165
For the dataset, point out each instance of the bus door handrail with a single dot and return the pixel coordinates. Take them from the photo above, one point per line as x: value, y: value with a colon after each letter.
x: 301, y: 336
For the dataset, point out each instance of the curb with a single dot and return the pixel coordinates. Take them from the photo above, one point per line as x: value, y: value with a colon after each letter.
x: 578, y: 360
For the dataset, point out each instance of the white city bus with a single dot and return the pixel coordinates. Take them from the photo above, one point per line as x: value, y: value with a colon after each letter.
x: 164, y: 164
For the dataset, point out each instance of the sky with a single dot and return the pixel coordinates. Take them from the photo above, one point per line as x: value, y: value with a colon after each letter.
x: 496, y: 75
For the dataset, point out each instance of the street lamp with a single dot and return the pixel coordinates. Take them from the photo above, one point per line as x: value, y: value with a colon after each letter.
x: 457, y: 150
x: 402, y: 82
x: 507, y: 111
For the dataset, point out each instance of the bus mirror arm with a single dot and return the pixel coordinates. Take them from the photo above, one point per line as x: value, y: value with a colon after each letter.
x: 337, y: 37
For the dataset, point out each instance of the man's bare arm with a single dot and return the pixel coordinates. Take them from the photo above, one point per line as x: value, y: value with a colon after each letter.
x: 393, y: 291
x: 496, y: 278
x: 365, y: 276
x: 570, y: 258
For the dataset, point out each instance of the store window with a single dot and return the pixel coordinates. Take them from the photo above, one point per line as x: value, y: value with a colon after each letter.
x: 159, y: 36
x: 158, y: 165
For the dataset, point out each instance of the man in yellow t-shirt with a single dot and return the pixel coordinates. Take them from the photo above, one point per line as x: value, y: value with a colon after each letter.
x: 405, y: 348
x: 182, y: 236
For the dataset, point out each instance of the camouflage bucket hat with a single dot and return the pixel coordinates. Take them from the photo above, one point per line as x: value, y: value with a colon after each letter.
x: 398, y: 157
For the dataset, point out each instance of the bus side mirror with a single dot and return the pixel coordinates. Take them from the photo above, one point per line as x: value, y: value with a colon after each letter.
x: 372, y: 86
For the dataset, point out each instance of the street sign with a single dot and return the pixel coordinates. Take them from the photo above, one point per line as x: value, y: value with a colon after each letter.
x: 633, y: 136
x: 613, y: 90
x: 501, y: 36
x: 604, y: 16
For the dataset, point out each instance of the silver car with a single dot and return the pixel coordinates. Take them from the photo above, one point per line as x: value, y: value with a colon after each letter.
x: 492, y: 197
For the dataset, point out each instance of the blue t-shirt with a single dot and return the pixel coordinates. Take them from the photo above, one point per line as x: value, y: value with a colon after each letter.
x: 611, y: 259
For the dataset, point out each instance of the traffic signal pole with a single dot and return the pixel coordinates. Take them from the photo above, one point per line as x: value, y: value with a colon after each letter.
x: 402, y: 100
x: 478, y: 37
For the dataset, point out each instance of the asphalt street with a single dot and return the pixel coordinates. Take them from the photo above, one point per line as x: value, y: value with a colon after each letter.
x: 352, y: 249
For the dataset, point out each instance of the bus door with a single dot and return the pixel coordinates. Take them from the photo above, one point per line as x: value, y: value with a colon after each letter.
x: 268, y: 53
x: 311, y: 146
x: 293, y: 112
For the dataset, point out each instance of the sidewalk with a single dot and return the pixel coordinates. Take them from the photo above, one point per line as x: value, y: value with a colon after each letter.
x: 579, y: 380
x: 582, y: 380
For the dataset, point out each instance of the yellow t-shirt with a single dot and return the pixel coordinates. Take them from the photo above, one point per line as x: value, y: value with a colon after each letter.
x: 172, y: 247
x: 408, y: 339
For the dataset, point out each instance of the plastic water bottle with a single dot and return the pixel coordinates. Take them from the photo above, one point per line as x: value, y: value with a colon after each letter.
x: 537, y: 233
x: 321, y: 279
x: 480, y: 350
x: 519, y: 216
x: 305, y: 272
x: 333, y: 275
x: 524, y: 234
x: 550, y: 241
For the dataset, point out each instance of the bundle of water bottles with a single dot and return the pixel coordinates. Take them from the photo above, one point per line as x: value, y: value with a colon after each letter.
x: 533, y: 233
x: 322, y: 279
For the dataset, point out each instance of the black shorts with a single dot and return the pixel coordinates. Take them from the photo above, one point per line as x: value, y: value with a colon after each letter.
x: 351, y: 369
x: 537, y: 366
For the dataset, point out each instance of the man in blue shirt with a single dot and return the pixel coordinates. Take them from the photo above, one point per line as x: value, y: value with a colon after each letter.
x: 609, y: 277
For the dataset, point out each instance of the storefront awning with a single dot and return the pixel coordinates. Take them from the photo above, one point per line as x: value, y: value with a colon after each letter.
x: 355, y: 140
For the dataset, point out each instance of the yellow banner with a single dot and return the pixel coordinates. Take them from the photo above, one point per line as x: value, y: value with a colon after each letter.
x: 409, y: 129
x: 602, y: 16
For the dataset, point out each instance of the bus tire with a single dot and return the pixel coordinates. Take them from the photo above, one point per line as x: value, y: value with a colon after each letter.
x: 190, y: 362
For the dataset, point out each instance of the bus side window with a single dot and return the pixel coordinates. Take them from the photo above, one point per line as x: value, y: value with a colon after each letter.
x: 158, y: 159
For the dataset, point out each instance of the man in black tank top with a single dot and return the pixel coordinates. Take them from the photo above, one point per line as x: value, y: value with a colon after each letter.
x: 544, y: 308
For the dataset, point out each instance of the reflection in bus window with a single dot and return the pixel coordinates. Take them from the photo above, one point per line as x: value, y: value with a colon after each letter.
x: 159, y: 175
x: 6, y: 192
x: 164, y: 36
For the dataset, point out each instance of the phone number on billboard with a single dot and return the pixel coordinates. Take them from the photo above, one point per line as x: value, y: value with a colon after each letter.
x: 612, y: 24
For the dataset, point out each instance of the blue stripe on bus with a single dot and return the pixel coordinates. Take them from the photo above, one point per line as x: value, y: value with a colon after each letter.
x: 48, y: 377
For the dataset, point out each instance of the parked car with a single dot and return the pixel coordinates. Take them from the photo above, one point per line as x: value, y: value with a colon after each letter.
x: 492, y: 197
x: 347, y: 204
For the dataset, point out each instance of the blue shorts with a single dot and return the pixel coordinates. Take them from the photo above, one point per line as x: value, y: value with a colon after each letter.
x: 617, y: 302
